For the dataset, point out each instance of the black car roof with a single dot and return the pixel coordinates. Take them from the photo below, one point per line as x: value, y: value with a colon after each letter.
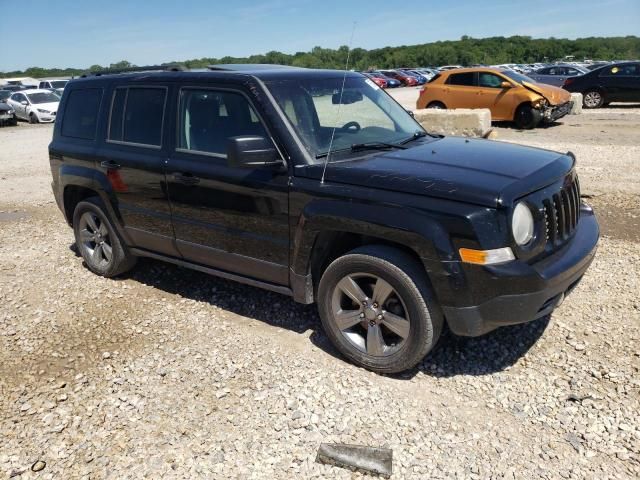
x: 223, y: 72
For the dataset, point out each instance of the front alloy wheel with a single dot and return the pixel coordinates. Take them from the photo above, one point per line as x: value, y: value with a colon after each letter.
x: 376, y: 322
x: 377, y: 309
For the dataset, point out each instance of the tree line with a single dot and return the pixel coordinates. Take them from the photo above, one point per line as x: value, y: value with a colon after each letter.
x: 466, y: 51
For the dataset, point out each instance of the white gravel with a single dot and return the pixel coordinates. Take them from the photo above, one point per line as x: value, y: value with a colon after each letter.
x: 171, y: 373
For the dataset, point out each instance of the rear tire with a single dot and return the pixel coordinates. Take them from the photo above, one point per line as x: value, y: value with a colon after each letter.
x: 392, y: 335
x: 592, y: 99
x: 437, y: 105
x: 104, y: 253
x: 527, y: 117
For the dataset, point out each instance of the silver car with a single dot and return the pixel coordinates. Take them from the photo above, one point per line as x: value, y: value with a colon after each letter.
x: 557, y: 74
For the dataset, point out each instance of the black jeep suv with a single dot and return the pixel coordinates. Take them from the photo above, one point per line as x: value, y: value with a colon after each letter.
x: 318, y: 185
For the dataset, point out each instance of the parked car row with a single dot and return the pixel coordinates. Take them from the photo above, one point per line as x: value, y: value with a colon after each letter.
x: 34, y: 106
x: 529, y: 101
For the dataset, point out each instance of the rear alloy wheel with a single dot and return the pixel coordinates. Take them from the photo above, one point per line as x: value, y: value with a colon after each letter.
x: 527, y: 117
x: 592, y: 99
x: 437, y: 105
x: 98, y: 242
x: 33, y: 118
x: 377, y: 309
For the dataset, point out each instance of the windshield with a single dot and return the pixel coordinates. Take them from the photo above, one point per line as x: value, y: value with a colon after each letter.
x: 518, y: 77
x: 43, y: 97
x: 58, y: 83
x: 366, y: 113
x: 4, y: 94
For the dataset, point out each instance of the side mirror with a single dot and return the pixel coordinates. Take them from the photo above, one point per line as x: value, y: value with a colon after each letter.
x: 252, y: 152
x: 506, y: 85
x: 24, y: 102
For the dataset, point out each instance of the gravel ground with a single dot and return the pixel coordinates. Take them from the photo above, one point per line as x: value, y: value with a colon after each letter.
x: 171, y: 373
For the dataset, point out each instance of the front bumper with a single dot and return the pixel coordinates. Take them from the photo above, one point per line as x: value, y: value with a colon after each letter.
x: 553, y: 113
x: 558, y: 274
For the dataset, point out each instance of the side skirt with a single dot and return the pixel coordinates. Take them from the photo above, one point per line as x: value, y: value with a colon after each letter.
x: 215, y: 272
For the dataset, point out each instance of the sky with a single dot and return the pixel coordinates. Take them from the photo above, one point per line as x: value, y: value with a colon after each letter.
x: 82, y: 33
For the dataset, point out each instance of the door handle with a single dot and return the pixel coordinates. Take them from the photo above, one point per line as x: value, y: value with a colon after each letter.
x: 110, y: 165
x: 185, y: 178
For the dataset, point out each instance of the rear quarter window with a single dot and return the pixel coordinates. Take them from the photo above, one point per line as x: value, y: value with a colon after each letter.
x: 81, y: 113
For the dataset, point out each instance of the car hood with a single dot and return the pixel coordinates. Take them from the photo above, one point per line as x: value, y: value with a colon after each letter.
x: 476, y: 171
x: 554, y: 95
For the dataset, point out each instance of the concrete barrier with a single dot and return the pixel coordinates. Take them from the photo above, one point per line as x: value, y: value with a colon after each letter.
x: 464, y: 122
x: 576, y: 108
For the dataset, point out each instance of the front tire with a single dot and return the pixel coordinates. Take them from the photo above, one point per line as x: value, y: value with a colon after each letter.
x: 527, y: 117
x: 377, y: 309
x: 592, y: 99
x: 98, y: 242
x: 33, y: 119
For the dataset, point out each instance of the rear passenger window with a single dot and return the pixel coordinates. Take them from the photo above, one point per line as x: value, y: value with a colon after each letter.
x: 209, y: 118
x: 137, y: 114
x: 81, y: 113
x: 464, y: 79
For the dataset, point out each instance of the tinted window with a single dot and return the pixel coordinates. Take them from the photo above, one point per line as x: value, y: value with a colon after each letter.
x: 629, y: 70
x: 461, y: 79
x: 208, y: 118
x: 117, y: 114
x: 489, y: 80
x: 137, y: 115
x: 81, y: 113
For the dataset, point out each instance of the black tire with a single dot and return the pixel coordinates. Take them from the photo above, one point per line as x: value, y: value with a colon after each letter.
x: 527, y: 117
x: 121, y: 260
x: 592, y: 99
x: 408, y: 280
x: 33, y: 118
x: 437, y: 105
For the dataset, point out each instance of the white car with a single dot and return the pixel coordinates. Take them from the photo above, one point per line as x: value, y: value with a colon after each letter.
x: 35, y: 105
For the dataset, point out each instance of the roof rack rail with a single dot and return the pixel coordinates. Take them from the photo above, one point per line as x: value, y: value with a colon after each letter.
x: 151, y: 68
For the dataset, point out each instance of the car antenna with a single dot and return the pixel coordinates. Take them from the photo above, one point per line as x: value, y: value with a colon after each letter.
x: 344, y: 79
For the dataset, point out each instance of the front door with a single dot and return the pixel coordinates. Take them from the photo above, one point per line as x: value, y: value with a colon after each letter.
x: 133, y: 160
x: 229, y: 218
x: 493, y: 96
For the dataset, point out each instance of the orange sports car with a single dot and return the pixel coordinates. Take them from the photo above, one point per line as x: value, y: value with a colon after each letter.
x: 509, y: 95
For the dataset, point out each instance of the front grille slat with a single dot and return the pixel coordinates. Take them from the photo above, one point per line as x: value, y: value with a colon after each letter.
x: 562, y: 214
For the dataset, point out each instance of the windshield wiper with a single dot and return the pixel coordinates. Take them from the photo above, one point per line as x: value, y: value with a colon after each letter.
x: 356, y: 147
x: 420, y: 134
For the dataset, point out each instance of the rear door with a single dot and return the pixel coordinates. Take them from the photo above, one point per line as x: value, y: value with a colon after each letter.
x: 229, y: 218
x: 621, y: 82
x: 460, y: 91
x: 16, y: 102
x: 133, y: 158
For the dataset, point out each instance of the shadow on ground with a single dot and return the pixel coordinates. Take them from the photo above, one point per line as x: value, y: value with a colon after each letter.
x: 452, y: 356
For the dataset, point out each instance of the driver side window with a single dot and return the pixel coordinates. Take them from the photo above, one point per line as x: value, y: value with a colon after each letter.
x: 489, y: 80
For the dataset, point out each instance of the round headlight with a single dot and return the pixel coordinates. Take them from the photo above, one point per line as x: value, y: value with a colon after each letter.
x: 522, y: 224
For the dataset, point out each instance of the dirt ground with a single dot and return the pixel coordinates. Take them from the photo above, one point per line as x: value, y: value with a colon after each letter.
x: 171, y: 373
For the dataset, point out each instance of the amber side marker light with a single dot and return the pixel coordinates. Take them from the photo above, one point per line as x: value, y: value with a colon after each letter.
x: 486, y: 257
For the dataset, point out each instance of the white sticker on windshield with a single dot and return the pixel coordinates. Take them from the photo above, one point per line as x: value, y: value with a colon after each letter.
x: 372, y: 84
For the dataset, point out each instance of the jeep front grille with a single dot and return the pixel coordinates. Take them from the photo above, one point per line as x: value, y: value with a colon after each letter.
x: 562, y: 212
